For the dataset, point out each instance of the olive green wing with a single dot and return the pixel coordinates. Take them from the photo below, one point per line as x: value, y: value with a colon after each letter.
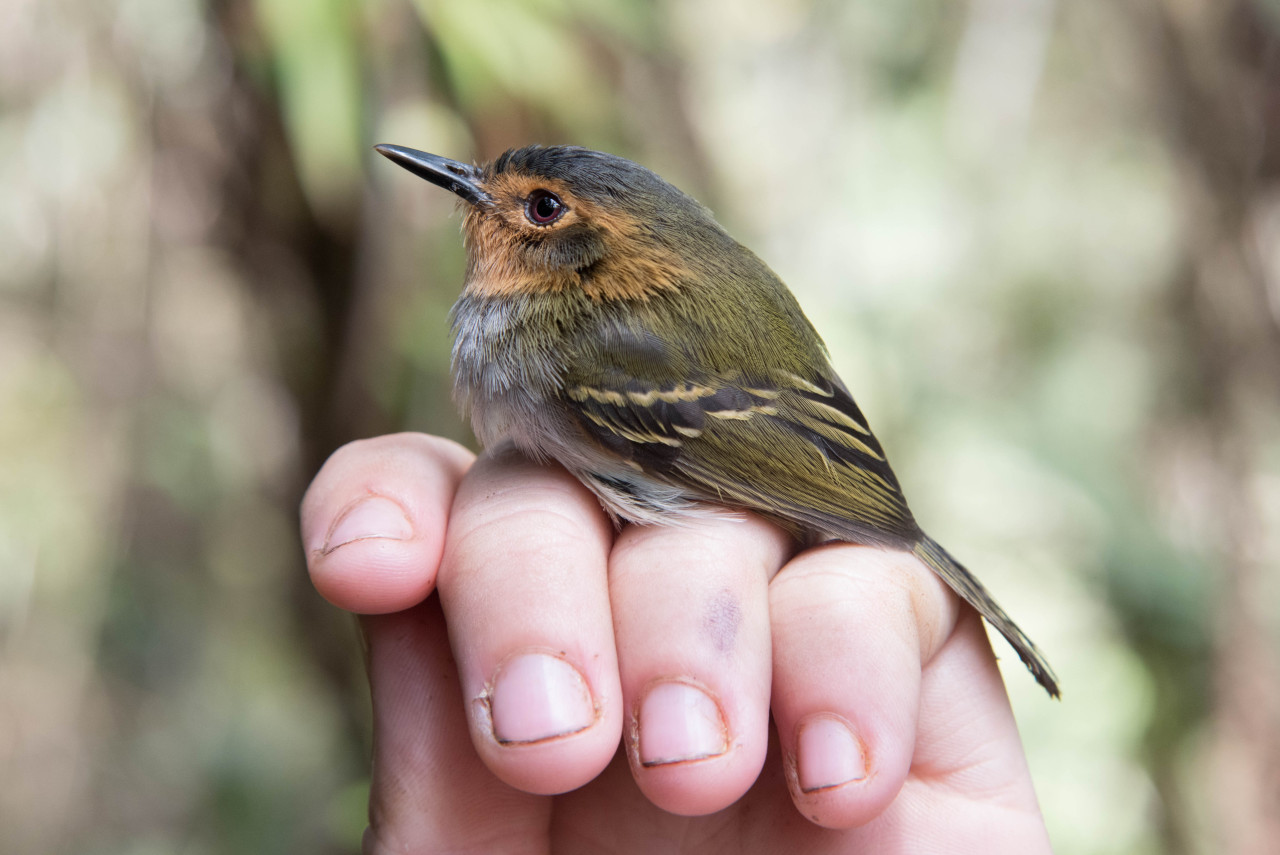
x: 794, y: 448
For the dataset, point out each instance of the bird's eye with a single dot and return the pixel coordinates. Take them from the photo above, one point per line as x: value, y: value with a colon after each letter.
x: 543, y: 208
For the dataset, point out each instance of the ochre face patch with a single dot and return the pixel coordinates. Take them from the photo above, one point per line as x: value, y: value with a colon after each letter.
x: 581, y: 249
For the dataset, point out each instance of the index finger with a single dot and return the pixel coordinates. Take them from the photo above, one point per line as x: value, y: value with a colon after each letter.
x: 374, y: 520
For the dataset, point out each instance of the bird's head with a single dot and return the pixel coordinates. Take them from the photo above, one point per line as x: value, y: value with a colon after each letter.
x: 548, y: 219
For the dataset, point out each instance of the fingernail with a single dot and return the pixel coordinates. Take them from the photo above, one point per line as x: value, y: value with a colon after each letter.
x: 372, y: 517
x: 677, y: 722
x: 537, y: 696
x: 828, y: 754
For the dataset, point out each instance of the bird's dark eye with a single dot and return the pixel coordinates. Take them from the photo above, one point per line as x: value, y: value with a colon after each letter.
x: 543, y: 207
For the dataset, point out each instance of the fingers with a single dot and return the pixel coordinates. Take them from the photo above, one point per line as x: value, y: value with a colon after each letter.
x: 691, y: 619
x: 524, y: 583
x: 374, y: 518
x: 536, y: 602
x: 851, y: 628
x: 536, y: 591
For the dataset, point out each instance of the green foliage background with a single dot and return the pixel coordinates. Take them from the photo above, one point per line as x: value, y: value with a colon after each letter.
x: 1041, y: 239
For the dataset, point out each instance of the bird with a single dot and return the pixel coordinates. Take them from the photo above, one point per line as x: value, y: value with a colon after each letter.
x: 608, y: 322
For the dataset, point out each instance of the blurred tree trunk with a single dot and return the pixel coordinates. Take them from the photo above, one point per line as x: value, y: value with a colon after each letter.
x: 306, y: 279
x: 1215, y: 65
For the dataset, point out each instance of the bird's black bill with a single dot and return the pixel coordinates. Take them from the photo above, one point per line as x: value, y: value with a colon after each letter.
x: 460, y: 178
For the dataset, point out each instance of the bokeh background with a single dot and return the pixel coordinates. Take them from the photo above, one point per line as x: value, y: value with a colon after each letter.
x: 1041, y: 238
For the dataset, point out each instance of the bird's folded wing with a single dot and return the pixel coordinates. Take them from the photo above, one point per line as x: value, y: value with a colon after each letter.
x: 795, y: 448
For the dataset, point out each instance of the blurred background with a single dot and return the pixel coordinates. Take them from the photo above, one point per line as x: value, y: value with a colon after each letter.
x: 1042, y: 240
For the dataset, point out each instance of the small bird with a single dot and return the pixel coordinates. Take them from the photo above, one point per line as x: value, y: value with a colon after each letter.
x: 608, y: 322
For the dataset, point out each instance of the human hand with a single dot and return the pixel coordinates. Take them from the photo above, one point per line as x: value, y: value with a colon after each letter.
x: 554, y: 635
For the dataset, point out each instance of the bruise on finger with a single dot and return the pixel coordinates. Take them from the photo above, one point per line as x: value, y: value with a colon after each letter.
x: 721, y: 621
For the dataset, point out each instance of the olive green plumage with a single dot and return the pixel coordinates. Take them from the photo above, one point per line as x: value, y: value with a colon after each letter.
x: 608, y: 322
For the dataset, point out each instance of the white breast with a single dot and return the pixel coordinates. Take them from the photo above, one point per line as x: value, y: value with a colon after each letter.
x: 503, y: 371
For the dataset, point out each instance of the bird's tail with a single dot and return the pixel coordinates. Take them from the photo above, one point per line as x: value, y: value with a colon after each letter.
x: 971, y: 591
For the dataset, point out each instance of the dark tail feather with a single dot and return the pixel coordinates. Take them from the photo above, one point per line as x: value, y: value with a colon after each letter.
x: 971, y: 591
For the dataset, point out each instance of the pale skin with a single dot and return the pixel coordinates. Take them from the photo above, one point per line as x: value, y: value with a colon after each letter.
x: 891, y: 731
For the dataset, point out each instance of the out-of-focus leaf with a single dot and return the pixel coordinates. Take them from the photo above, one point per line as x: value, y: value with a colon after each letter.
x: 532, y: 52
x: 315, y: 52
